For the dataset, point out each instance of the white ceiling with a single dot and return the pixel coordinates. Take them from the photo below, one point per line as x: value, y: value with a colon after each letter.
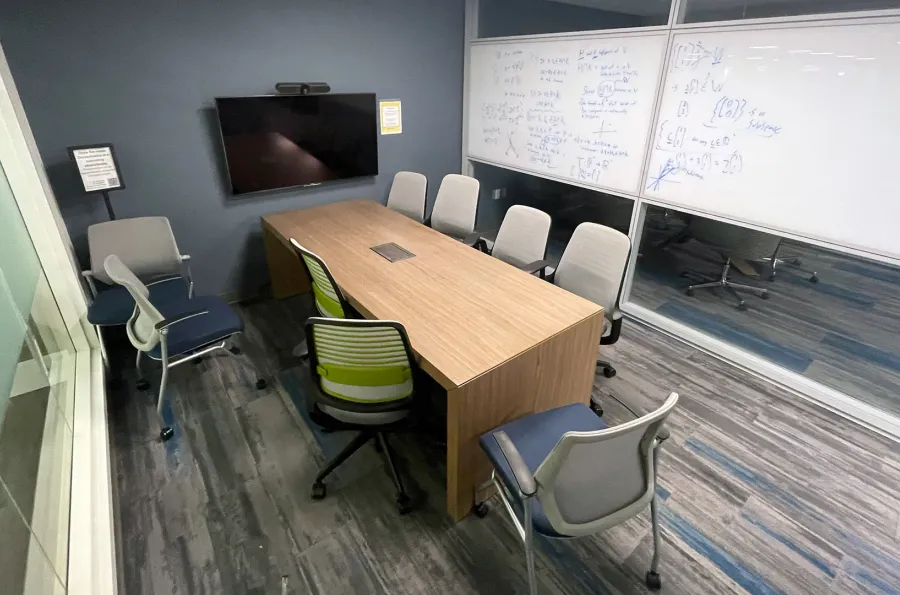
x: 656, y: 7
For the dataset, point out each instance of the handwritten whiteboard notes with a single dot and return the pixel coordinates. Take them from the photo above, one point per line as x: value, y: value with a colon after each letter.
x: 574, y: 109
x: 702, y: 127
x: 792, y: 129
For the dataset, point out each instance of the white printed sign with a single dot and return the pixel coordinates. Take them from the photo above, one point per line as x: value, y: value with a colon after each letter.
x: 97, y: 167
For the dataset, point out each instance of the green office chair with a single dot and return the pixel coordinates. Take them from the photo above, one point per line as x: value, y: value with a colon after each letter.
x: 330, y: 302
x: 362, y: 374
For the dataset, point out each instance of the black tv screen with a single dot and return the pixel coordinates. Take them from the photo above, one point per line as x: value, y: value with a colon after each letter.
x: 282, y: 141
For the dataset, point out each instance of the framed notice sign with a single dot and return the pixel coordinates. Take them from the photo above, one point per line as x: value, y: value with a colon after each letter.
x: 98, y: 167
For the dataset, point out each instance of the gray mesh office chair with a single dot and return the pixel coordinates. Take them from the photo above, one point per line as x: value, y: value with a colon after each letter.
x: 408, y: 194
x: 565, y: 474
x: 731, y: 241
x: 455, y: 206
x: 522, y: 239
x: 593, y: 267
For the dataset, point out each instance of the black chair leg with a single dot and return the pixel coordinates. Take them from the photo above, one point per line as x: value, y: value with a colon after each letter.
x: 404, y: 504
x: 318, y: 491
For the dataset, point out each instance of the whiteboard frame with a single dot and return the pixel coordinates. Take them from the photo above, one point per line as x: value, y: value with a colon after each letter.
x: 817, y: 393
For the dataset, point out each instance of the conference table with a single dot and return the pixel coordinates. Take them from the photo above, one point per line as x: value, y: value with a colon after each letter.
x: 502, y: 343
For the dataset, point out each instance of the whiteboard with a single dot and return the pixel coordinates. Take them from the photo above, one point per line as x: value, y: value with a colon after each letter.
x: 792, y: 129
x: 577, y: 109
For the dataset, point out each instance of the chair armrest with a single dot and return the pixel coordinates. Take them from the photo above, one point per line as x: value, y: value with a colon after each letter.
x: 538, y: 266
x: 472, y: 239
x: 164, y: 324
x: 614, y: 332
x: 521, y: 472
x: 89, y: 277
x: 186, y: 260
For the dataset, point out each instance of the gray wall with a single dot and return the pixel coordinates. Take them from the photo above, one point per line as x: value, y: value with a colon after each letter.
x: 142, y: 75
x: 499, y: 18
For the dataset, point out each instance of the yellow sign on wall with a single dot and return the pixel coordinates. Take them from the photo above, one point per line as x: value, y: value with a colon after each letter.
x: 391, y: 118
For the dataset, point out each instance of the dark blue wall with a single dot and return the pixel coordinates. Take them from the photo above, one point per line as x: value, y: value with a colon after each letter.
x: 142, y: 75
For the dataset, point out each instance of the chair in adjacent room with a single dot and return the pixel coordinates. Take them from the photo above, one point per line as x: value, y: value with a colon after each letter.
x: 362, y: 378
x: 593, y: 267
x: 147, y: 246
x: 522, y: 239
x: 731, y: 241
x: 777, y: 261
x: 205, y: 326
x: 330, y: 300
x: 455, y: 206
x: 565, y: 474
x: 408, y: 194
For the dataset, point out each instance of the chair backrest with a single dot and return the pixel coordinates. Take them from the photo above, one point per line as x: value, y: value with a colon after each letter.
x: 456, y: 206
x: 591, y: 481
x: 330, y: 302
x: 407, y: 195
x: 522, y: 238
x: 733, y: 239
x: 141, y: 328
x: 593, y: 265
x: 361, y: 362
x: 146, y: 245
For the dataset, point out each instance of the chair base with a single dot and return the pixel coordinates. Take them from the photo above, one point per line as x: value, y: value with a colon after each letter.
x: 654, y: 583
x: 606, y: 368
x: 733, y: 288
x: 319, y: 490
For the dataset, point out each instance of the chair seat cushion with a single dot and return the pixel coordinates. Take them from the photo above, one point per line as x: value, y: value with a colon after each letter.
x: 220, y: 322
x: 534, y: 436
x: 114, y: 306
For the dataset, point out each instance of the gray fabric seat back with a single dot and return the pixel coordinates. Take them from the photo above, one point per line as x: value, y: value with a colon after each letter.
x: 141, y: 328
x: 591, y: 481
x: 145, y: 245
x: 522, y: 238
x: 593, y: 265
x: 407, y: 195
x: 456, y: 205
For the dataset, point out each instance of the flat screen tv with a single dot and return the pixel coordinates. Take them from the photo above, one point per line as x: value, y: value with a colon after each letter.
x: 284, y: 141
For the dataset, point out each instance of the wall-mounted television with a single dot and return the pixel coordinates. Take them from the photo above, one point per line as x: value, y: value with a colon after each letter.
x: 284, y: 141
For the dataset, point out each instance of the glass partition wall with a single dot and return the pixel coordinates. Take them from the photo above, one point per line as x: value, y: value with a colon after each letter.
x: 37, y: 370
x: 818, y: 318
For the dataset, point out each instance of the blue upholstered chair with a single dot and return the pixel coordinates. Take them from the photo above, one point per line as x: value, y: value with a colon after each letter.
x: 565, y: 474
x: 174, y: 333
x: 147, y: 246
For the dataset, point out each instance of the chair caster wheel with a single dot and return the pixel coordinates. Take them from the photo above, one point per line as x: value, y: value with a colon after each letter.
x: 596, y: 408
x: 765, y: 295
x: 743, y: 307
x: 480, y: 510
x: 772, y: 277
x: 609, y: 372
x: 197, y: 361
x: 653, y: 581
x: 689, y: 292
x: 404, y: 505
x: 261, y: 384
x: 235, y: 349
x: 166, y: 433
x: 318, y: 491
x: 142, y: 384
x: 814, y: 278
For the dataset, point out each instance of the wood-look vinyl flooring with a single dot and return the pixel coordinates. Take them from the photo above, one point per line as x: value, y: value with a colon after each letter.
x: 761, y: 491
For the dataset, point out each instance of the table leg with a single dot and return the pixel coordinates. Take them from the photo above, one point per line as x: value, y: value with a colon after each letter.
x: 286, y: 272
x: 556, y: 372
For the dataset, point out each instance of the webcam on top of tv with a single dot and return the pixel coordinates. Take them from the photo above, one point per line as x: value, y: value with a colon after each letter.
x: 302, y: 88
